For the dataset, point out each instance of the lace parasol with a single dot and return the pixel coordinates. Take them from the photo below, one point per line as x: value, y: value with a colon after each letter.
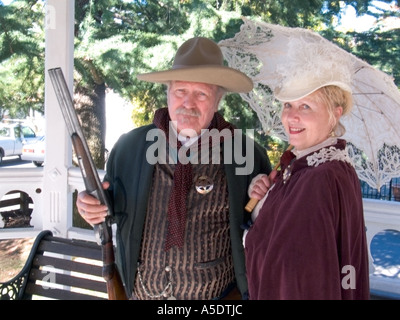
x: 269, y: 54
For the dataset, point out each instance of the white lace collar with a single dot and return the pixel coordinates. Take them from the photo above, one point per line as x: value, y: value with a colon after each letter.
x: 324, y: 154
x: 328, y: 154
x: 328, y: 142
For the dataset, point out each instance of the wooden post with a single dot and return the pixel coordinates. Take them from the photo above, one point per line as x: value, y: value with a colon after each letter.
x: 57, y: 206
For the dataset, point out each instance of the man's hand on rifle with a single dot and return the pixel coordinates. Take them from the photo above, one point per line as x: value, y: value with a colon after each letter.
x: 90, y: 208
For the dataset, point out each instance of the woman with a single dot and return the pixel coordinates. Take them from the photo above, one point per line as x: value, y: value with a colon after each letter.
x: 307, y: 240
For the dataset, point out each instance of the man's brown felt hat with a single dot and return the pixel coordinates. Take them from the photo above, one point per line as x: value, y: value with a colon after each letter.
x: 200, y: 60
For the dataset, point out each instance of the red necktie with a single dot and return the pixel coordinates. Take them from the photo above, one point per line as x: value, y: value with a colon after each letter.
x: 177, y: 204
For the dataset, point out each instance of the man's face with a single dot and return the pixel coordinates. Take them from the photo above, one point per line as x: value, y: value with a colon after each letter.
x: 192, y: 105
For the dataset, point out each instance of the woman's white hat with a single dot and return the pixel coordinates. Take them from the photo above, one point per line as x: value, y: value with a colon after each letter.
x: 296, y: 89
x: 309, y: 66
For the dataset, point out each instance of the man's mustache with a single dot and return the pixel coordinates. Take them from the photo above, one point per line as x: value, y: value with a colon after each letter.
x: 188, y: 112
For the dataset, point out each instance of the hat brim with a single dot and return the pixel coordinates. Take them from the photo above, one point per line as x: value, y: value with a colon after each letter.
x: 230, y: 79
x: 288, y: 94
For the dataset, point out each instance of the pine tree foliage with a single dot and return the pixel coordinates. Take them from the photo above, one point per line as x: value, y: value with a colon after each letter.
x: 117, y: 39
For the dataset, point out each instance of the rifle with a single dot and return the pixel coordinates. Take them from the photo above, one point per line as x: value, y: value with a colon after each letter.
x: 103, y: 231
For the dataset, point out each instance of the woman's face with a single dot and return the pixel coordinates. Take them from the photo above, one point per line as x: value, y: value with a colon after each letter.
x: 307, y: 122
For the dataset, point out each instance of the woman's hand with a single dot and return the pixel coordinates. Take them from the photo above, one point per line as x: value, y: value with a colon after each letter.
x: 260, y: 185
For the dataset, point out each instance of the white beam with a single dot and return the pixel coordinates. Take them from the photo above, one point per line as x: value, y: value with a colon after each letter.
x: 59, y: 52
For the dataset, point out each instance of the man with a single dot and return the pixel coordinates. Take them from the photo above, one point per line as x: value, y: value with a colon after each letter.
x: 179, y: 185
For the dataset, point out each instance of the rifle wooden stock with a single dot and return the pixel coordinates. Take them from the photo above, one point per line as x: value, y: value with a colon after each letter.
x: 115, y: 289
x: 93, y: 185
x: 253, y: 202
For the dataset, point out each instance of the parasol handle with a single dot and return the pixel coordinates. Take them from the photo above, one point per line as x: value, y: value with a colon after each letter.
x: 253, y: 202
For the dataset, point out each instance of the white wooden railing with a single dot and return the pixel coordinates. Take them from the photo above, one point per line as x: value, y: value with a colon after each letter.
x: 30, y: 181
x: 379, y: 216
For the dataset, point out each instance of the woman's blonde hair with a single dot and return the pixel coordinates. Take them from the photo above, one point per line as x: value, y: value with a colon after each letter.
x: 333, y: 97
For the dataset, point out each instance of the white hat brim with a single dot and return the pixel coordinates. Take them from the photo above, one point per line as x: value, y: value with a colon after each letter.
x: 290, y: 94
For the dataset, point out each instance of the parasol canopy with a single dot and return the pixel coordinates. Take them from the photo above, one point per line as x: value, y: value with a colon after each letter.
x: 269, y: 54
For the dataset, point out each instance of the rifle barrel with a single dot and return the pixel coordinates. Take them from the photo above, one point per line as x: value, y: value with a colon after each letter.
x: 93, y: 185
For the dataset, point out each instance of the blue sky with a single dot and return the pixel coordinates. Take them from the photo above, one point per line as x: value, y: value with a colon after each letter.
x: 349, y: 20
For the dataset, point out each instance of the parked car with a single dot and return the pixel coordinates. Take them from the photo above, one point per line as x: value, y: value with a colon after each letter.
x: 12, y: 138
x: 34, y: 152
